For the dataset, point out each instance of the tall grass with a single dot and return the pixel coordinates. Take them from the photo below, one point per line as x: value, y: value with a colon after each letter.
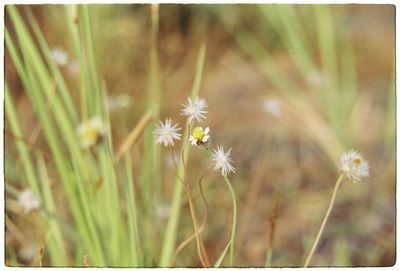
x: 95, y: 214
x: 96, y: 183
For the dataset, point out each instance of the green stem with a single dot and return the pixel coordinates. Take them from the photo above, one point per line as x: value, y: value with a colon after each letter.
x: 328, y: 212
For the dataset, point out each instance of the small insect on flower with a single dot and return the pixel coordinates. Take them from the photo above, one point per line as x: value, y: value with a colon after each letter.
x: 28, y: 201
x: 354, y: 166
x: 223, y: 161
x: 195, y: 109
x: 199, y: 136
x: 91, y: 132
x: 59, y: 56
x: 166, y: 133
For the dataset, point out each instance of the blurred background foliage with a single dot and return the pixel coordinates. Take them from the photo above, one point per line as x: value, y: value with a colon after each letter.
x: 290, y: 87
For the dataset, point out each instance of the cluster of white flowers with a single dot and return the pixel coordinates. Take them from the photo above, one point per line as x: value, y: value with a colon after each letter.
x: 61, y: 58
x: 353, y: 166
x: 91, y: 132
x: 195, y: 110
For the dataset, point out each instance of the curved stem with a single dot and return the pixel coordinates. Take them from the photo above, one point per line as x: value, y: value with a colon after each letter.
x: 328, y: 212
x: 199, y: 242
x: 234, y: 217
x: 190, y: 238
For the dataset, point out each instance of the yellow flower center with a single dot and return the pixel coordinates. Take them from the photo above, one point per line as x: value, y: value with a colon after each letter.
x: 198, y: 133
x: 90, y: 134
x: 356, y: 161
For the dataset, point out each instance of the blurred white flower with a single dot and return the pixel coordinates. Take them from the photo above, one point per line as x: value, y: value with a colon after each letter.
x: 29, y: 251
x: 59, y: 56
x: 317, y: 78
x: 195, y: 109
x: 166, y: 133
x: 222, y: 160
x: 163, y: 211
x: 28, y: 201
x: 354, y: 166
x: 120, y: 101
x: 199, y: 136
x: 73, y: 68
x: 273, y: 106
x: 91, y: 132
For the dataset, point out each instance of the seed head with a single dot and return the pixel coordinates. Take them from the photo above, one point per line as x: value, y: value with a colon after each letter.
x: 223, y: 161
x: 354, y: 166
x: 195, y: 109
x: 166, y: 133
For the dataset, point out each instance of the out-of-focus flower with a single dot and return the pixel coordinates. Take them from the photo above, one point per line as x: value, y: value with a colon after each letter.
x: 354, y: 166
x: 199, y: 136
x: 273, y: 106
x: 59, y: 56
x: 166, y: 133
x: 29, y: 251
x: 317, y: 78
x: 163, y: 211
x: 73, y: 68
x: 91, y: 132
x: 120, y: 101
x: 223, y: 161
x: 28, y: 201
x: 195, y: 109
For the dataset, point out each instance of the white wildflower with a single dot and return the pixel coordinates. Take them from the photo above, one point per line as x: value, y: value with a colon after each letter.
x: 166, y: 133
x: 223, y: 160
x: 91, y: 132
x: 73, y: 68
x: 199, y: 136
x: 163, y: 211
x: 354, y: 166
x: 59, y: 56
x: 195, y: 109
x: 28, y: 201
x: 273, y: 106
x: 29, y: 251
x: 120, y: 101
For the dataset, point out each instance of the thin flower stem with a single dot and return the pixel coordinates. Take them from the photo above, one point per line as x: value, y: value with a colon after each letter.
x: 328, y: 212
x: 234, y: 217
x: 199, y: 242
x: 189, y: 239
x: 200, y: 246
